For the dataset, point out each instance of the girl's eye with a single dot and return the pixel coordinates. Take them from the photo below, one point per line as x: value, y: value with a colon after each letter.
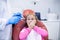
x: 28, y: 19
x: 32, y: 19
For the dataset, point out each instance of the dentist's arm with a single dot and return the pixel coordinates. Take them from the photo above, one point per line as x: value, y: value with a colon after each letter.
x: 3, y: 23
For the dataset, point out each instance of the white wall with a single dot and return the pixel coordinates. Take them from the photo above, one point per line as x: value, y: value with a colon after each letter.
x: 41, y: 6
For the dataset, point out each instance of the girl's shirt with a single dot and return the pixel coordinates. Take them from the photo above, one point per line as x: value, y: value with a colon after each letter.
x: 33, y: 35
x: 26, y: 33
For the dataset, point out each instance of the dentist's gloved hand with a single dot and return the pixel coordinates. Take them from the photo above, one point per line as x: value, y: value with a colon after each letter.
x: 15, y: 18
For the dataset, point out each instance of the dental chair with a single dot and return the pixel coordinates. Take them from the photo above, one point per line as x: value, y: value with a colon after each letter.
x: 18, y: 27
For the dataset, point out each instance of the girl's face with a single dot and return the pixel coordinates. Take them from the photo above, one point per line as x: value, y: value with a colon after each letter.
x: 31, y: 18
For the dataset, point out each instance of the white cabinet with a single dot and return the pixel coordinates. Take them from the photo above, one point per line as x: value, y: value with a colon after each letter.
x: 53, y: 29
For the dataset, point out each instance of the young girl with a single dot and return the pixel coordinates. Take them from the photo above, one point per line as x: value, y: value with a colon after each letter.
x: 31, y: 31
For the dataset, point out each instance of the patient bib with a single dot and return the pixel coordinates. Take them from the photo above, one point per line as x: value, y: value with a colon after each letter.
x: 34, y: 36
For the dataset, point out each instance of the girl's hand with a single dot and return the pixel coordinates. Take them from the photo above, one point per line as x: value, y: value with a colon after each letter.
x: 31, y: 25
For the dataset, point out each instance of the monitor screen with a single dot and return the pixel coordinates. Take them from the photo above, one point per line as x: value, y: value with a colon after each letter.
x: 38, y: 15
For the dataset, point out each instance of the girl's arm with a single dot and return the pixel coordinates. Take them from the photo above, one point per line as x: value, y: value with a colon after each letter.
x: 41, y: 31
x: 23, y: 34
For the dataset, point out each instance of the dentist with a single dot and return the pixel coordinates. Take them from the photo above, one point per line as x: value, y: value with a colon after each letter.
x: 6, y: 23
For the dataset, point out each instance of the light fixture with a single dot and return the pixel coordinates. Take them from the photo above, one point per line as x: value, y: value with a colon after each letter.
x: 36, y: 1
